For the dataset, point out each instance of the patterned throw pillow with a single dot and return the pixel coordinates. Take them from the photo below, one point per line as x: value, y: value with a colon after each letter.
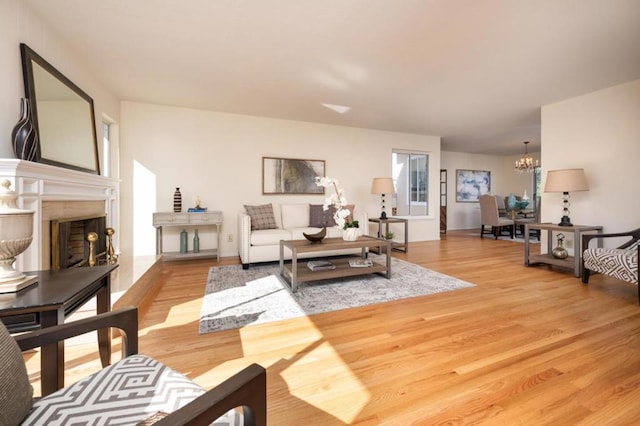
x: 318, y: 217
x: 261, y: 217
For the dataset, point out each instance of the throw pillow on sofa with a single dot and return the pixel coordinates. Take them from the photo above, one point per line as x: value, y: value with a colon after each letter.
x: 350, y: 207
x: 261, y: 217
x: 319, y: 218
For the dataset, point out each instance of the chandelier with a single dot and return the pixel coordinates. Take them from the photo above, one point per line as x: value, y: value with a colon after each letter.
x: 526, y: 164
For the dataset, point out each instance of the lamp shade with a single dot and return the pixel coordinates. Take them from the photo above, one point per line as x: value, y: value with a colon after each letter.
x: 382, y: 186
x: 566, y: 180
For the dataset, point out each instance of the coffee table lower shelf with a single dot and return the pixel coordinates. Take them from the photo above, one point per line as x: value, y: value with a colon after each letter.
x: 343, y: 269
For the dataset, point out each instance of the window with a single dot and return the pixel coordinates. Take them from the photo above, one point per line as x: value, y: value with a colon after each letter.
x: 411, y: 180
x: 106, y: 159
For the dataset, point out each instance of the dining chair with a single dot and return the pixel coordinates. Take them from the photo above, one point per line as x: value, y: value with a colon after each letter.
x: 489, y: 216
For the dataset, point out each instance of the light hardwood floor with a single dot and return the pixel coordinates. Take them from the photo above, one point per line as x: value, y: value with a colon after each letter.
x: 525, y: 346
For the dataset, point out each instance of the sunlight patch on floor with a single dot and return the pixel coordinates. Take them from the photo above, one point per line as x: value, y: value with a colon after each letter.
x: 334, y: 381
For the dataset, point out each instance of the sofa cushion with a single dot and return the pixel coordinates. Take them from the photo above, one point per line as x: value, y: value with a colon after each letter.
x: 261, y: 216
x: 295, y: 215
x: 269, y: 237
x: 15, y: 391
x: 319, y: 217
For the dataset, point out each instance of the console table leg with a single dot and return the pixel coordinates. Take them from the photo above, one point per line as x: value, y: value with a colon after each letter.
x: 103, y: 304
x: 52, y: 355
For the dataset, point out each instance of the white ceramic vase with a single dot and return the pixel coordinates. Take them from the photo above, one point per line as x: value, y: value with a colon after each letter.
x: 350, y: 234
x: 16, y: 233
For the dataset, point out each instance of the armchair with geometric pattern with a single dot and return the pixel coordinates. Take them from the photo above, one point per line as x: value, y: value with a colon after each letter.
x: 620, y: 262
x: 137, y: 390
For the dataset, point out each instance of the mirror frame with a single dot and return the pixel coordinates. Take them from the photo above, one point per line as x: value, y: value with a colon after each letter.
x: 29, y: 57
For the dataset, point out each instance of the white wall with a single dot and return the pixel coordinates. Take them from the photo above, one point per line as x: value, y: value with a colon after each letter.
x: 18, y: 24
x: 218, y: 157
x: 503, y: 182
x: 599, y: 132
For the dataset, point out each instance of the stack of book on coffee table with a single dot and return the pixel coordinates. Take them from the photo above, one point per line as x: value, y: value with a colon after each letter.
x: 360, y: 263
x: 320, y: 265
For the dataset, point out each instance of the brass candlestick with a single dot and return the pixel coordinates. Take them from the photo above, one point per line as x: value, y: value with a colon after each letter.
x: 92, y: 237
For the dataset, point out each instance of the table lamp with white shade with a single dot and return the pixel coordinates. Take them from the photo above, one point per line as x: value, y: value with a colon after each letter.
x: 566, y: 181
x: 383, y: 186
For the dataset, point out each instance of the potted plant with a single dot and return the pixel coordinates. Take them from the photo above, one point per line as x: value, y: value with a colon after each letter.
x: 389, y: 235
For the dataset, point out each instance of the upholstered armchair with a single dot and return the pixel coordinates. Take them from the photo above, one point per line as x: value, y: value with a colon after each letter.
x: 135, y: 390
x: 620, y: 262
x: 489, y: 216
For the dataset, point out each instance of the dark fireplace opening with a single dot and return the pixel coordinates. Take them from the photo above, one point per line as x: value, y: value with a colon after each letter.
x: 69, y: 244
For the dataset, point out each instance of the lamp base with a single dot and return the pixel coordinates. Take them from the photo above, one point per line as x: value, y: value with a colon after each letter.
x: 383, y: 215
x: 565, y: 221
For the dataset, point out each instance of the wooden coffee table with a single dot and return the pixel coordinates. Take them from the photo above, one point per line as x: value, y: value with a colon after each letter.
x: 295, y: 272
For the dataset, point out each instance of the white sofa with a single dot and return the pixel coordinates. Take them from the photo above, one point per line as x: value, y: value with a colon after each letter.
x: 291, y: 221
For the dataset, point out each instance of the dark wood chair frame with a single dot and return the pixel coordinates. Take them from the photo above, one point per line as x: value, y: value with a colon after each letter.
x: 586, y: 238
x: 246, y: 389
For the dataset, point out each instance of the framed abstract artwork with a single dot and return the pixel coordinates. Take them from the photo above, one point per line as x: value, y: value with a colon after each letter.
x: 471, y: 184
x: 291, y: 176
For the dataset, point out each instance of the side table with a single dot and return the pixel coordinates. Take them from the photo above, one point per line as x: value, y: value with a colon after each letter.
x: 574, y: 261
x: 399, y: 246
x: 55, y: 296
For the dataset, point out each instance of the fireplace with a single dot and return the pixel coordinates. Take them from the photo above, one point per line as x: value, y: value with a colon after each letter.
x: 69, y: 243
x: 55, y: 193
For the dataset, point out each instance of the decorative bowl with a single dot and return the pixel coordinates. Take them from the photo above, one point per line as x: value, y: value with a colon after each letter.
x: 521, y: 205
x: 317, y: 237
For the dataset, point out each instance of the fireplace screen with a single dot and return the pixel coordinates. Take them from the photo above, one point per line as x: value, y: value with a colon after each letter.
x: 69, y: 244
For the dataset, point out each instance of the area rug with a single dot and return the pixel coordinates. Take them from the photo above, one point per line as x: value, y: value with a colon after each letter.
x: 235, y: 298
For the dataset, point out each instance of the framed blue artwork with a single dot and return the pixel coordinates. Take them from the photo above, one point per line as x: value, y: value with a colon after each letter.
x: 471, y: 184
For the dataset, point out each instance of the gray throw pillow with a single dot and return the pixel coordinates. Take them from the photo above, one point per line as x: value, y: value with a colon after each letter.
x: 16, y: 393
x: 319, y: 218
x: 261, y: 217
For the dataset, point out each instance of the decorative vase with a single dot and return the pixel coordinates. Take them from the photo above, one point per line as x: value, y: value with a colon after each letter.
x: 350, y: 234
x: 177, y: 201
x: 24, y: 136
x: 560, y: 252
x: 183, y: 241
x: 511, y: 201
x: 16, y: 233
x: 196, y: 242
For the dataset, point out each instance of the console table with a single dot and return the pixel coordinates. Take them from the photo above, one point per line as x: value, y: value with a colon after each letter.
x: 400, y: 246
x: 574, y: 261
x: 55, y: 296
x: 193, y: 219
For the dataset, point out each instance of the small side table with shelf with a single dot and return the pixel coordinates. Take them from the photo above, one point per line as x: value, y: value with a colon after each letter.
x: 193, y: 219
x: 395, y: 245
x: 573, y: 262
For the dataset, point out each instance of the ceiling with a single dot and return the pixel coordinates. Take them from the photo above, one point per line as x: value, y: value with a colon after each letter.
x: 474, y: 72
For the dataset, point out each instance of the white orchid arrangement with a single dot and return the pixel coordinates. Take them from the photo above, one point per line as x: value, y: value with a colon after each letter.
x: 336, y: 199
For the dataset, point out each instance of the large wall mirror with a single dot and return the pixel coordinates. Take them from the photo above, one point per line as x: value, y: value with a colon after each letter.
x: 63, y: 116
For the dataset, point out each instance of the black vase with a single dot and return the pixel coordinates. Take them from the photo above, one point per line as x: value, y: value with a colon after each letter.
x: 177, y: 201
x: 24, y: 136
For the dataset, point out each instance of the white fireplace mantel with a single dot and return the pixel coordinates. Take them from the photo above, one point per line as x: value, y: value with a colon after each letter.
x: 36, y: 183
